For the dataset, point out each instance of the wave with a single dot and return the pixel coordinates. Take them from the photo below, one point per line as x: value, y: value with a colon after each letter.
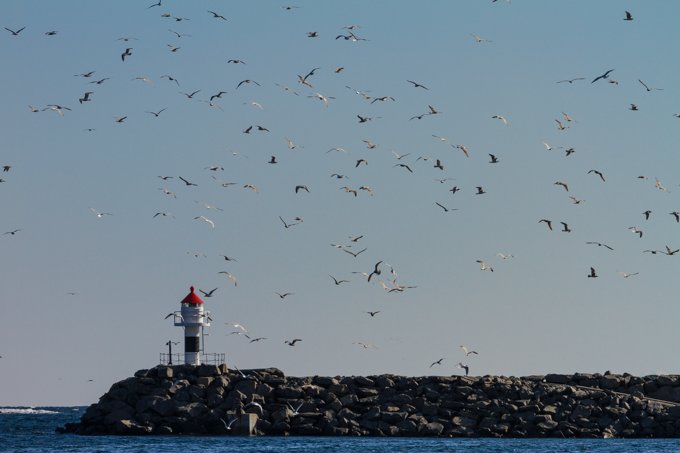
x: 25, y: 411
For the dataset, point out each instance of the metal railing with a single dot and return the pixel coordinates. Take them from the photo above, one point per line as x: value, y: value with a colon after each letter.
x: 177, y: 358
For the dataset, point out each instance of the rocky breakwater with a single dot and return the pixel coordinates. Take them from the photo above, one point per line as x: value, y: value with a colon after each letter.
x: 205, y: 399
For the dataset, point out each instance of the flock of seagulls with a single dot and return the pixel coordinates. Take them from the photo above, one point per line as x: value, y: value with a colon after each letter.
x: 349, y: 162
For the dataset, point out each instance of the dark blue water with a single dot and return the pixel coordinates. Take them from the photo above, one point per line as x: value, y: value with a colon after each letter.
x: 32, y: 430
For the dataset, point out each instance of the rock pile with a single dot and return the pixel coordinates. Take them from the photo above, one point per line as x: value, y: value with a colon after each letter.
x: 185, y: 399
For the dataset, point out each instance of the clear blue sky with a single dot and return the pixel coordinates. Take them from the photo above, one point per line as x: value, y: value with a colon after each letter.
x: 538, y: 312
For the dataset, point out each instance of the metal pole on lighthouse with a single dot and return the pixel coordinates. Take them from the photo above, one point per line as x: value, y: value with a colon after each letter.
x: 193, y: 319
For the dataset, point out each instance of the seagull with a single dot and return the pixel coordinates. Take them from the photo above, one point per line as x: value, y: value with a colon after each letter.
x: 247, y: 81
x: 288, y: 225
x: 636, y: 230
x: 479, y: 39
x: 170, y: 78
x: 438, y: 164
x: 337, y: 282
x: 648, y: 88
x: 227, y: 426
x: 361, y: 161
x: 301, y: 187
x: 200, y: 217
x: 272, y: 160
x: 660, y: 186
x: 372, y: 313
x: 547, y: 222
x: 445, y: 208
x: 560, y: 126
x: 629, y: 16
x: 376, y: 271
x: 217, y: 16
x: 603, y: 76
x: 570, y: 80
x: 292, y: 342
x: 565, y: 228
x: 592, y: 273
x: 464, y: 149
x: 251, y: 187
x: 675, y: 214
x: 230, y: 276
x: 505, y: 256
x: 312, y: 34
x: 86, y: 97
x: 467, y: 352
x: 295, y: 410
x: 575, y: 200
x: 13, y: 232
x: 209, y: 293
x: 176, y: 314
x: 480, y: 191
x: 56, y: 108
x: 633, y: 107
x: 100, y: 214
x: 597, y: 173
x: 15, y: 33
x: 670, y: 252
x: 187, y: 182
x: 218, y: 95
x: 437, y: 362
x: 454, y: 189
x: 417, y: 85
x: 403, y: 166
x: 501, y: 118
x: 600, y: 244
x: 127, y: 53
x: 190, y: 95
x: 626, y: 274
x: 569, y: 151
x: 355, y: 238
x: 156, y: 114
x: 494, y: 159
x: 255, y: 340
x: 646, y: 214
x: 164, y: 214
x: 284, y: 295
x: 354, y: 254
x: 560, y: 183
x: 547, y: 146
x: 236, y: 61
x: 464, y: 367
x: 322, y: 98
x: 483, y: 266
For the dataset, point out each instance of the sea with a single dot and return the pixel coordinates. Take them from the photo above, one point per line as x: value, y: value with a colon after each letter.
x: 32, y: 429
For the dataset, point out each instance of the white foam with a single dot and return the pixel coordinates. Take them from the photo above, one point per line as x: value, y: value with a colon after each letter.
x: 25, y: 411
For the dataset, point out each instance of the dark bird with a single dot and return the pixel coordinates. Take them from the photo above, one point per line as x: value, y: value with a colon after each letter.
x: 247, y: 81
x: 565, y: 228
x: 312, y: 34
x: 646, y: 214
x: 187, y: 182
x: 444, y: 207
x: 127, y: 53
x: 636, y: 230
x: 597, y: 173
x: 675, y: 214
x: 191, y: 95
x: 272, y: 160
x: 629, y: 16
x: 563, y: 184
x: 600, y: 244
x: 158, y: 112
x: 547, y: 222
x: 248, y: 129
x: 419, y: 117
x: 439, y: 165
x: 217, y: 16
x: 437, y: 362
x: 155, y: 4
x: 51, y: 33
x: 464, y: 367
x: 633, y: 107
x: 218, y: 95
x: 301, y: 187
x: 592, y: 273
x: 229, y: 258
x: 85, y: 74
x: 15, y: 33
x: 292, y: 342
x: 235, y: 61
x: 261, y: 128
x: 288, y: 225
x: 670, y: 252
x: 417, y: 85
x: 354, y: 254
x: 121, y: 119
x: 494, y: 159
x: 361, y: 161
x: 255, y: 340
x: 100, y: 81
x: 86, y: 97
x: 648, y: 88
x: 570, y: 80
x: 284, y: 295
x: 454, y: 189
x: 603, y: 76
x: 480, y: 190
x: 372, y: 313
x: 403, y: 166
x: 170, y: 78
x: 337, y: 282
x: 13, y: 232
x: 209, y: 293
x: 376, y: 270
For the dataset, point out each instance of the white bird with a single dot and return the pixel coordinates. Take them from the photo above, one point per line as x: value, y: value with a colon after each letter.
x: 200, y: 217
x: 501, y: 118
x: 296, y: 410
x: 100, y: 214
x: 230, y: 276
x: 467, y: 352
x: 227, y: 426
x: 483, y: 266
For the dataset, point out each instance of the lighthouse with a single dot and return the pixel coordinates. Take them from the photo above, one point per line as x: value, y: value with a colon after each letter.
x: 193, y: 318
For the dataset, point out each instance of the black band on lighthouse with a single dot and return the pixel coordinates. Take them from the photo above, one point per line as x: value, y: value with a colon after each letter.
x: 191, y: 344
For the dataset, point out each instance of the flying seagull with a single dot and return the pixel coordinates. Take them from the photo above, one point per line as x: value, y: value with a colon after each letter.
x: 468, y: 352
x: 209, y: 293
x: 127, y: 53
x: 436, y: 362
x: 603, y: 76
x: 592, y: 273
x: 464, y: 367
x: 15, y: 33
x: 417, y: 85
x: 292, y: 342
x: 600, y: 244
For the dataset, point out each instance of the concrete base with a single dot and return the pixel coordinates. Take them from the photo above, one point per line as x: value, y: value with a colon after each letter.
x: 245, y: 425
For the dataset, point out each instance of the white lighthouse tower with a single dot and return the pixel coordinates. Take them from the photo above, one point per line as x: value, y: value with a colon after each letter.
x: 193, y: 318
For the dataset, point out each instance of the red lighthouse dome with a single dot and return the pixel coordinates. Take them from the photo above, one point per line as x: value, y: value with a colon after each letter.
x: 192, y: 298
